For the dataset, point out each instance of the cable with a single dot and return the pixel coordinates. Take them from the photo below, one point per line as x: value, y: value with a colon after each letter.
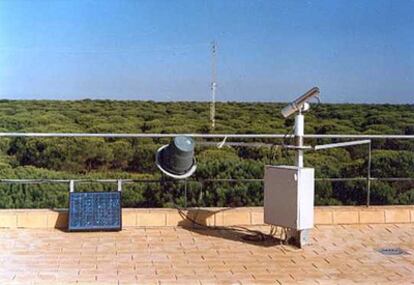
x: 92, y: 50
x: 272, y: 153
x: 286, y: 142
x: 248, y: 234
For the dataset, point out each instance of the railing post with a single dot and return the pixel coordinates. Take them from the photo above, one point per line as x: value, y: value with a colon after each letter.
x: 369, y: 175
x: 185, y: 193
x: 200, y: 197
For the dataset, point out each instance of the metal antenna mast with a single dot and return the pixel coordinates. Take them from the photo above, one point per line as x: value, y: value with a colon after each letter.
x: 213, y: 85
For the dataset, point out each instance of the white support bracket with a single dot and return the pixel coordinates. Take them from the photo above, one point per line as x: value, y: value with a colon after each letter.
x: 71, y: 186
x: 345, y: 144
x: 342, y: 144
x: 119, y: 183
x: 221, y: 144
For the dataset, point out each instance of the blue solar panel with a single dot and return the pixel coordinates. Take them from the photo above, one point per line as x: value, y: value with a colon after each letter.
x: 94, y: 211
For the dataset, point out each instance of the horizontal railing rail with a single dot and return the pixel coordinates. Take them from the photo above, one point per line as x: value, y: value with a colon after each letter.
x: 158, y: 135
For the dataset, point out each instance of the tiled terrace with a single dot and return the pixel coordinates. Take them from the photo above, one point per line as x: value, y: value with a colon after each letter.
x: 339, y: 254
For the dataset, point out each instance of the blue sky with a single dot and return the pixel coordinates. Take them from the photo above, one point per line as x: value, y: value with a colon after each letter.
x: 355, y: 51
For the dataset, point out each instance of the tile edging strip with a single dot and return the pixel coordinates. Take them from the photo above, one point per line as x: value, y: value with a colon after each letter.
x: 342, y: 215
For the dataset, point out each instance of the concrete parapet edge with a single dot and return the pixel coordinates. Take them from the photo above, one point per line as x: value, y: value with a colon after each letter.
x: 154, y: 217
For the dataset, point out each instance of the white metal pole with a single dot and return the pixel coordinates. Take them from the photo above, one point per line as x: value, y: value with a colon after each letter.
x: 213, y: 86
x: 299, y: 132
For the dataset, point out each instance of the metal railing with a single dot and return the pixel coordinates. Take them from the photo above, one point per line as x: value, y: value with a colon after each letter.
x: 207, y: 136
x: 120, y: 182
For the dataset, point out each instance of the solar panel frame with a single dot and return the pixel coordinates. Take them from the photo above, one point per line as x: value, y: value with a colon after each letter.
x: 95, y: 211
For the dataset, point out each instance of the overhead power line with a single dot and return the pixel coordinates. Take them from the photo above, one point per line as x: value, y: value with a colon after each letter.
x: 157, y: 48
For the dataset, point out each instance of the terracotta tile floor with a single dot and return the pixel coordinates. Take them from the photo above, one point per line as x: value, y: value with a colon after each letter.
x: 339, y: 255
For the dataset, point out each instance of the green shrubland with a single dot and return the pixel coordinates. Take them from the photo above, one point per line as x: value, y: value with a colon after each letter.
x: 92, y: 158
